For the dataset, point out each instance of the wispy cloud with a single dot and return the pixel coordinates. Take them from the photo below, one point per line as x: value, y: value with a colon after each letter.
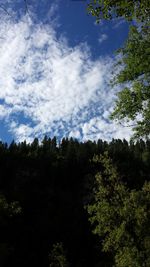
x: 48, y: 87
x: 103, y: 37
x: 118, y: 22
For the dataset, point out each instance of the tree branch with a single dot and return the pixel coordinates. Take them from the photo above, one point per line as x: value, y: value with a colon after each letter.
x: 131, y: 125
x: 26, y: 6
x: 5, y: 10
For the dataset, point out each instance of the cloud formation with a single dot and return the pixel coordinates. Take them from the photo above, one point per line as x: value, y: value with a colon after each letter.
x: 47, y: 87
x: 103, y: 37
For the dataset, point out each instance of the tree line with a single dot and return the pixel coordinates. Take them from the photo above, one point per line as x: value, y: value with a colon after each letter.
x: 54, y: 212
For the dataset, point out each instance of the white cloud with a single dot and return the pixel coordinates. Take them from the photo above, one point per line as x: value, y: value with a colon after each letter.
x: 103, y: 37
x: 75, y: 134
x: 48, y: 87
x: 22, y: 131
x: 118, y: 22
x: 3, y: 112
x: 99, y: 128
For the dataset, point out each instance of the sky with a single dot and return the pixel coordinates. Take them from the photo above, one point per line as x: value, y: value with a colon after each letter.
x: 55, y: 67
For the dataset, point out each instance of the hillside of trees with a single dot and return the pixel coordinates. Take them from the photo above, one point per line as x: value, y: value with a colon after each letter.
x: 51, y: 203
x: 73, y: 204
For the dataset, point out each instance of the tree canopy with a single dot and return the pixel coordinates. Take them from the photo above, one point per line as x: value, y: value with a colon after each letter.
x: 128, y: 9
x: 121, y: 217
x: 133, y: 67
x: 133, y: 103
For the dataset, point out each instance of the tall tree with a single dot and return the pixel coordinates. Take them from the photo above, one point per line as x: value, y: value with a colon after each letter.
x: 121, y: 217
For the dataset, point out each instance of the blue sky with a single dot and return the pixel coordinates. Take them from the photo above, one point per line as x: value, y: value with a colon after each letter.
x: 55, y: 68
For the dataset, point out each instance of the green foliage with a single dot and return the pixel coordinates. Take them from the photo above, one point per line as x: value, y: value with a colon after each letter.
x: 57, y: 256
x: 133, y: 68
x: 9, y: 209
x: 133, y: 103
x: 129, y: 9
x: 44, y: 187
x: 121, y: 217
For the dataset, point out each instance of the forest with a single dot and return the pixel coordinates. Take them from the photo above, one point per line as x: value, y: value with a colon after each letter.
x: 67, y: 203
x: 53, y: 212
